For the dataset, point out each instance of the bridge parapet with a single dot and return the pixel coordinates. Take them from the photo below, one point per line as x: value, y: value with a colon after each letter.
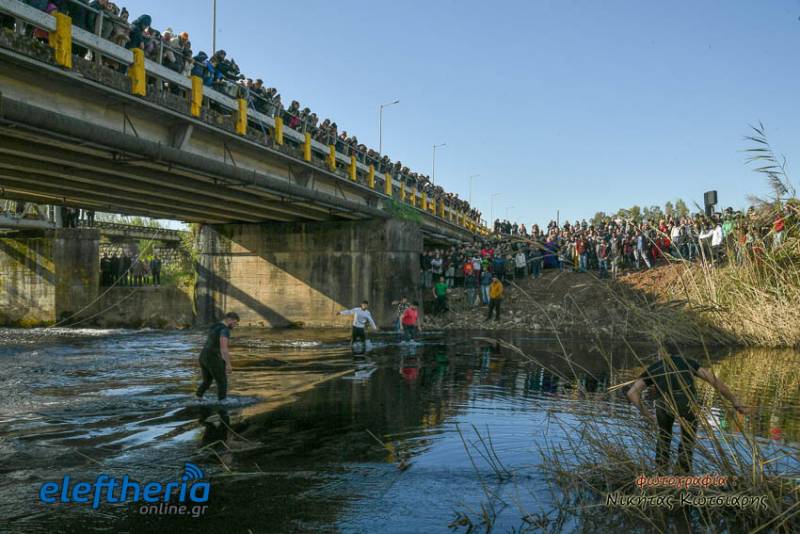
x: 183, y: 98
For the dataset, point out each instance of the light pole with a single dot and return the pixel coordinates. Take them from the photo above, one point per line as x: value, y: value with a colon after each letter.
x: 470, y: 187
x: 380, y: 125
x: 214, y: 27
x: 491, y: 209
x: 433, y: 171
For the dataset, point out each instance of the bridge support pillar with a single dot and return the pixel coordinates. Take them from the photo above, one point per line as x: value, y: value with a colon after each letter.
x: 284, y: 274
x: 49, y: 276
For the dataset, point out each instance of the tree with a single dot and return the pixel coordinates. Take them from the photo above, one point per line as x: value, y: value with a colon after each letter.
x: 681, y: 209
x: 653, y: 214
x: 669, y: 210
x: 598, y: 218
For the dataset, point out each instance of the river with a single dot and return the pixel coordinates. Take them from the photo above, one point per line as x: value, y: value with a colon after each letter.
x: 408, y: 438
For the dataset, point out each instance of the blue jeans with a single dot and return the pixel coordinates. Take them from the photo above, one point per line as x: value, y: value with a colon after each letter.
x: 485, y: 294
x: 536, y: 267
x: 583, y: 259
x: 603, y: 267
x: 471, y: 296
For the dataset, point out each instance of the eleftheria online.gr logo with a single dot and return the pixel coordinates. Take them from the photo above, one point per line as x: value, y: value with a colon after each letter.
x: 105, y: 488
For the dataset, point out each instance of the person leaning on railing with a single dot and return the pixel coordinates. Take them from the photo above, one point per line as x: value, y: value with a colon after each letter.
x: 291, y: 115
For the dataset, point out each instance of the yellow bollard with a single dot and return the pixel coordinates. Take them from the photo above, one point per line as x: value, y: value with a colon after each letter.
x: 414, y: 196
x: 61, y: 40
x: 371, y: 177
x: 332, y: 157
x: 197, y: 95
x: 278, y: 131
x: 241, y: 117
x: 307, y: 148
x: 387, y: 185
x: 441, y: 209
x: 352, y: 170
x: 424, y: 201
x: 136, y: 73
x: 402, y: 192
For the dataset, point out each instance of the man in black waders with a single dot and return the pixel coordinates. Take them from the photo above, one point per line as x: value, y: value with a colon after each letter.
x: 673, y: 375
x: 215, y: 360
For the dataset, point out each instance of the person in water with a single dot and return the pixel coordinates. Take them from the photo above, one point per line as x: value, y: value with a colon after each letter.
x: 673, y: 375
x: 215, y: 359
x: 410, y: 320
x: 361, y: 316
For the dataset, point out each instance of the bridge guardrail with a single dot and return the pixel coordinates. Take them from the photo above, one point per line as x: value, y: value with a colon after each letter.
x: 121, y: 227
x: 63, y: 34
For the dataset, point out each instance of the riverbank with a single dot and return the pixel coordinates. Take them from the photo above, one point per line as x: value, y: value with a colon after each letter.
x: 687, y: 302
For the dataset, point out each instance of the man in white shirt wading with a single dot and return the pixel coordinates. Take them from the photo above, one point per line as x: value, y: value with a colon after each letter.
x: 361, y: 316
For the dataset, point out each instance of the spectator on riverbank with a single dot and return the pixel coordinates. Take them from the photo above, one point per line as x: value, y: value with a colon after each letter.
x: 116, y: 268
x: 139, y: 272
x: 155, y: 270
x: 440, y: 296
x: 126, y: 262
x: 495, y: 298
x: 105, y: 270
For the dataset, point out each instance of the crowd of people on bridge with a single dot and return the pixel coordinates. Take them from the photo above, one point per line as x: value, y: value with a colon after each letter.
x: 128, y: 270
x: 606, y: 248
x: 219, y: 71
x: 75, y: 217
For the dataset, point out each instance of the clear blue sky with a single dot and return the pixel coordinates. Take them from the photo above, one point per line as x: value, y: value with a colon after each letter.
x: 574, y: 105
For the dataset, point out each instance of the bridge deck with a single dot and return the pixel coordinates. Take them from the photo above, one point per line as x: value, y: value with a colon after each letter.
x: 78, y: 137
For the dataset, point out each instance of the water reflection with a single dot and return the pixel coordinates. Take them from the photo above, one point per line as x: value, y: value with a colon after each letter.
x: 345, y: 442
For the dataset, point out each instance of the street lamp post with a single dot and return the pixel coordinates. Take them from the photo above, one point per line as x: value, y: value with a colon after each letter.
x: 214, y: 27
x: 470, y: 187
x: 433, y: 171
x: 491, y: 209
x: 380, y: 125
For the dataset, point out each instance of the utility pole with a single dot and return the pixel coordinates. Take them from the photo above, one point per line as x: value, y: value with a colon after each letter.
x: 214, y: 27
x: 433, y: 172
x: 470, y: 187
x: 380, y: 125
x: 491, y: 209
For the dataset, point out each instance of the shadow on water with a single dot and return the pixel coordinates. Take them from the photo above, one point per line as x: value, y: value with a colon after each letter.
x: 315, y: 438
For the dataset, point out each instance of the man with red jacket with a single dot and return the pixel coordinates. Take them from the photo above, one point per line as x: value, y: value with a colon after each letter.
x: 410, y: 321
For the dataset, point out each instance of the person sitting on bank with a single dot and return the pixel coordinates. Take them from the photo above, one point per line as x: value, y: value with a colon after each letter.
x: 410, y: 322
x: 361, y: 316
x: 673, y: 375
x: 215, y: 359
x: 495, y: 297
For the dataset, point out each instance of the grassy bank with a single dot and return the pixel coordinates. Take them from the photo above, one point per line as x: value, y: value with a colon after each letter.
x: 597, y: 451
x: 754, y: 302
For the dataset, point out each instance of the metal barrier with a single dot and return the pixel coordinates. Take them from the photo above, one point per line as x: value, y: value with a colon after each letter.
x: 64, y: 35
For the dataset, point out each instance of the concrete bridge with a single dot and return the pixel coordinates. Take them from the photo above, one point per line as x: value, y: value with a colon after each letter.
x: 291, y: 229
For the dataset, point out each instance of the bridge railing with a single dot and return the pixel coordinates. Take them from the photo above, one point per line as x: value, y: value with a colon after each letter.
x: 147, y: 76
x: 157, y: 233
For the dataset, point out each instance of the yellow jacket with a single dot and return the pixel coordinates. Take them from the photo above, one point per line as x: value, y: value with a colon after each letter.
x: 496, y: 290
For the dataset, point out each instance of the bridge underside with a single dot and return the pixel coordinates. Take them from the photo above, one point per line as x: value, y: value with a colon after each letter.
x: 90, y: 146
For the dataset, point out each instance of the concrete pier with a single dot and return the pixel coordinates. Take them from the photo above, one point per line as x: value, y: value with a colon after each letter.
x: 282, y: 274
x: 47, y: 276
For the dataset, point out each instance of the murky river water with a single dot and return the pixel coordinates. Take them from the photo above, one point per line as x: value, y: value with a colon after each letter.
x: 314, y: 439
